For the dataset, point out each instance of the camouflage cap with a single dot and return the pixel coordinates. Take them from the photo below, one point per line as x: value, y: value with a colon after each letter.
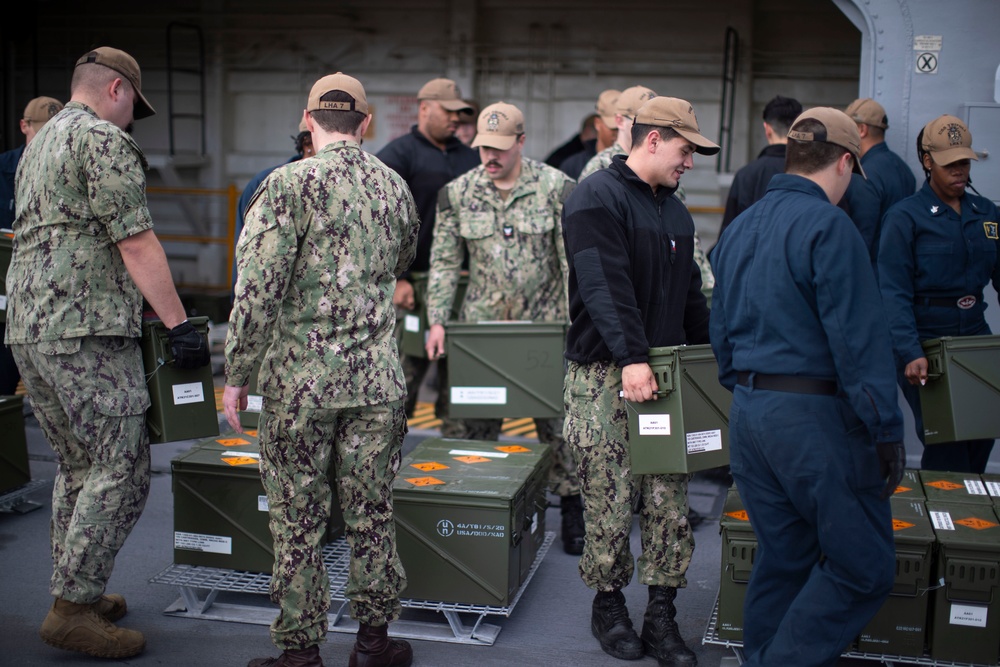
x: 868, y: 111
x: 606, y: 107
x: 499, y: 126
x: 342, y: 83
x: 446, y: 93
x: 948, y: 140
x: 678, y: 115
x: 41, y: 109
x: 838, y: 129
x: 631, y: 99
x: 125, y: 65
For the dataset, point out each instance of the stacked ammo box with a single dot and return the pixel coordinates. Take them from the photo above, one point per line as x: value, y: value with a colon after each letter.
x: 221, y: 509
x: 470, y: 518
x: 14, y: 468
x: 945, y: 602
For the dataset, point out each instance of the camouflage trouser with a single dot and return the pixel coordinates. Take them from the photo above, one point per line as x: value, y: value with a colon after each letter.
x: 90, y: 398
x: 597, y: 428
x: 296, y: 448
x: 563, y: 478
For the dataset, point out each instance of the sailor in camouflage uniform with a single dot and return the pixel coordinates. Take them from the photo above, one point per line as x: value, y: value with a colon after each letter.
x: 625, y: 109
x: 84, y: 256
x: 324, y: 241
x: 506, y: 215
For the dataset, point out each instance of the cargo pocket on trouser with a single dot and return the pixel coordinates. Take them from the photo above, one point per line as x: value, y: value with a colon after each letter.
x: 120, y: 450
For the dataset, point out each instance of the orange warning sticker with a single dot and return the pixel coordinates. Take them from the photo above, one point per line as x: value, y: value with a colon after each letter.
x: 945, y: 485
x: 423, y: 481
x: 902, y: 489
x: 251, y: 433
x: 240, y: 460
x: 232, y: 442
x: 429, y: 466
x: 976, y: 523
x: 901, y: 525
x: 741, y: 515
x: 471, y: 459
x: 512, y: 449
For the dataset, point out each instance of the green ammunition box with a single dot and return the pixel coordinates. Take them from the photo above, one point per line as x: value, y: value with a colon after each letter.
x: 6, y: 252
x: 220, y: 510
x: 14, y: 468
x: 215, y: 306
x: 965, y: 616
x: 415, y: 326
x: 182, y: 402
x: 992, y: 484
x: 899, y: 627
x: 505, y: 369
x: 960, y: 398
x: 910, y: 487
x: 739, y: 548
x: 464, y: 531
x: 686, y: 428
x: 250, y: 418
x: 954, y: 487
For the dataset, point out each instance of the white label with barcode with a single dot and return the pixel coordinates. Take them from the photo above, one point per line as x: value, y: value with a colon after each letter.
x: 975, y: 487
x: 993, y: 488
x: 411, y: 323
x: 942, y: 521
x: 479, y: 395
x: 262, y: 505
x: 704, y: 441
x: 214, y: 544
x: 255, y: 403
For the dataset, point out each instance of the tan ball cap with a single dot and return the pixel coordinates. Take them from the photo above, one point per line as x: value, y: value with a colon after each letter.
x: 838, y: 129
x: 445, y: 92
x: 678, y: 115
x: 41, y: 109
x: 631, y: 99
x: 125, y: 65
x: 606, y: 107
x: 869, y: 112
x: 499, y: 126
x: 342, y: 83
x: 948, y: 140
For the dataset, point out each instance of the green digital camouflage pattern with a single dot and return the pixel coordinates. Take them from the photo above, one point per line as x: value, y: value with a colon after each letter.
x: 324, y: 240
x: 297, y: 446
x: 80, y: 189
x: 597, y: 428
x: 90, y: 398
x: 563, y: 479
x: 517, y: 259
x: 603, y: 159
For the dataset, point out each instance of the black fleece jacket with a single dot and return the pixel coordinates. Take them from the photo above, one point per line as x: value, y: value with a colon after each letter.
x: 633, y: 283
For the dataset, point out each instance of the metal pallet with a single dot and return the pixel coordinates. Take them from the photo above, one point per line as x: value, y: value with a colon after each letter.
x: 712, y: 637
x: 16, y: 500
x: 200, y: 588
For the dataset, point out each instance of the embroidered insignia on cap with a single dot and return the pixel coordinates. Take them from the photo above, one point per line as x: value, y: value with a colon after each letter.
x: 954, y: 134
x: 493, y: 123
x: 991, y: 230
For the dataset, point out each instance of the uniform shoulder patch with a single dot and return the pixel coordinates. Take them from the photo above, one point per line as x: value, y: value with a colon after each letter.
x: 567, y: 188
x: 444, y: 199
x: 991, y: 230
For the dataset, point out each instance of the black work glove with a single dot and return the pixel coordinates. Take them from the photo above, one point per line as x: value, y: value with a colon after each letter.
x: 891, y: 462
x: 188, y: 347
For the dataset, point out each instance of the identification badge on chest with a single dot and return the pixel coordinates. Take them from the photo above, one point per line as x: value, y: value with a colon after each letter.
x: 508, y: 231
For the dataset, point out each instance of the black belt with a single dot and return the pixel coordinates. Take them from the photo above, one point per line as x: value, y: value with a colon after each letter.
x: 795, y: 384
x: 960, y: 302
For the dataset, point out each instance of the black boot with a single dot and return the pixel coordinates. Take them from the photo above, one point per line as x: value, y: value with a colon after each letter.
x: 660, y: 634
x: 293, y: 657
x: 373, y: 648
x: 573, y: 530
x: 611, y: 625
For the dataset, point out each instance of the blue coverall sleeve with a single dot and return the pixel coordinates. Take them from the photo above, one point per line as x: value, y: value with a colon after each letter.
x: 721, y: 345
x: 896, y: 276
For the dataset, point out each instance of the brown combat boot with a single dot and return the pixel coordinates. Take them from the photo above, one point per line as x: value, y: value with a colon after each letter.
x: 291, y: 657
x: 79, y: 627
x: 112, y: 607
x: 373, y: 648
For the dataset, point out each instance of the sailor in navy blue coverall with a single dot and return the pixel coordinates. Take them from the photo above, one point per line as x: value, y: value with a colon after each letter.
x: 939, y: 251
x: 801, y: 340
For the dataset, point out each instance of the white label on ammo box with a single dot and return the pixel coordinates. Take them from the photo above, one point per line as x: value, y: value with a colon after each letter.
x: 255, y: 403
x: 993, y: 488
x: 3, y: 302
x: 216, y: 544
x: 191, y: 392
x: 942, y: 521
x: 654, y: 424
x: 966, y: 614
x: 262, y: 505
x: 704, y: 441
x: 479, y: 395
x: 412, y: 323
x: 974, y: 487
x: 472, y: 452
